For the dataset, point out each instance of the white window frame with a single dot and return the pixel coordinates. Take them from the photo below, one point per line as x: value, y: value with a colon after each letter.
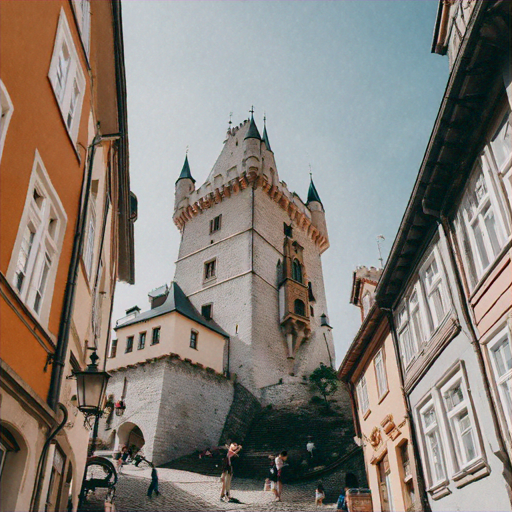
x: 418, y: 320
x: 83, y: 16
x: 362, y: 395
x: 90, y: 242
x: 453, y: 419
x: 379, y: 362
x: 455, y: 463
x: 503, y: 381
x: 429, y: 431
x: 7, y: 111
x: 474, y: 264
x: 70, y: 104
x: 46, y: 244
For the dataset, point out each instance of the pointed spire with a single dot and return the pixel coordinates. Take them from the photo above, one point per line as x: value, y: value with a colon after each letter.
x: 185, y: 172
x: 313, y: 193
x: 252, y: 132
x: 265, y: 135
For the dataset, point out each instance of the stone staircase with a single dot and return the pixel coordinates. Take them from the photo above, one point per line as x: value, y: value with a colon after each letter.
x: 289, y: 429
x: 273, y: 430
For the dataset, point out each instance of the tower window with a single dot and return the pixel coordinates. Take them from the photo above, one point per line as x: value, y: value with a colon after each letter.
x: 209, y: 269
x: 206, y: 311
x: 193, y: 339
x: 288, y: 231
x: 299, y: 307
x: 215, y: 224
x: 311, y: 297
x: 297, y: 271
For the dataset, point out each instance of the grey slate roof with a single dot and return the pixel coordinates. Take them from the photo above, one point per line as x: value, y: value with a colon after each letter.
x: 313, y: 194
x: 176, y: 301
x: 185, y: 171
x: 265, y: 138
x: 252, y: 132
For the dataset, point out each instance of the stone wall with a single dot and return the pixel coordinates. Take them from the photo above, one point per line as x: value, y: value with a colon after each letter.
x: 244, y: 409
x: 179, y: 407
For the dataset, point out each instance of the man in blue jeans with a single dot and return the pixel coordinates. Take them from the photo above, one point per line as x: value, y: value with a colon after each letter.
x: 153, y: 486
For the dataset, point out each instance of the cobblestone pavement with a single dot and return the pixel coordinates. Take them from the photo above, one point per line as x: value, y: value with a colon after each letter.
x: 182, y: 491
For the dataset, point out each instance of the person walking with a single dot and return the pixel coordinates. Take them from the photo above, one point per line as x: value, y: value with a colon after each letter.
x: 227, y: 471
x: 153, y: 486
x: 279, y: 463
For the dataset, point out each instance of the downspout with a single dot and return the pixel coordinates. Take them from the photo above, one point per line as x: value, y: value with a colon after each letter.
x: 69, y: 294
x: 443, y: 28
x: 36, y: 493
x: 414, y: 437
x: 456, y: 263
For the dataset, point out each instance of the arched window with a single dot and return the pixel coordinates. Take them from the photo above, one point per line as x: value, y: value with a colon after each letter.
x: 299, y: 307
x: 279, y: 272
x: 297, y: 271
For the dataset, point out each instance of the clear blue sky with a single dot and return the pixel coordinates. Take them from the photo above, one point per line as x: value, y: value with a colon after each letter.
x: 349, y: 87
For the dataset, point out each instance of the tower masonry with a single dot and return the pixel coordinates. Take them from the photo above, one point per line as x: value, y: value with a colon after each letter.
x: 250, y: 258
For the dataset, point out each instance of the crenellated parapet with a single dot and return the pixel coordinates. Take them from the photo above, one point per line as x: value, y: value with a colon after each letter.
x: 247, y: 161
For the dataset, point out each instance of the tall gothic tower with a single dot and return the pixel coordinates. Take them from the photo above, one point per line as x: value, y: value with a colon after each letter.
x: 250, y: 256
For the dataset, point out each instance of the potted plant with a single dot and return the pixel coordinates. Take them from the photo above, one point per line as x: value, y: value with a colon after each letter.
x: 120, y: 407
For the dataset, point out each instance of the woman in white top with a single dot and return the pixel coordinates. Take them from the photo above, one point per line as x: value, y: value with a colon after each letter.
x: 280, y: 462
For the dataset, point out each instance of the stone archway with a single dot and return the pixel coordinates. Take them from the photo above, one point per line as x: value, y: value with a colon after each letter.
x: 130, y: 435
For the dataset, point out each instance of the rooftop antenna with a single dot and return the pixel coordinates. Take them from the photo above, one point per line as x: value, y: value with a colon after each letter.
x: 310, y: 173
x: 230, y: 122
x: 252, y: 110
x: 186, y: 150
x: 264, y: 119
x: 380, y: 239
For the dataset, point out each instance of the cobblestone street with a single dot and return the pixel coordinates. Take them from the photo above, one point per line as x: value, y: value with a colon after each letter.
x: 181, y: 491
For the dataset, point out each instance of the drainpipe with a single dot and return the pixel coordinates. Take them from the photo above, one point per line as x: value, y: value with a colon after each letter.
x: 443, y: 28
x: 456, y: 263
x: 414, y: 437
x: 70, y: 291
x: 36, y: 493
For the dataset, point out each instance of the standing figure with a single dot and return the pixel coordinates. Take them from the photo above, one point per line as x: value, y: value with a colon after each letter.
x: 279, y: 464
x: 153, y: 486
x: 227, y: 471
x: 310, y: 447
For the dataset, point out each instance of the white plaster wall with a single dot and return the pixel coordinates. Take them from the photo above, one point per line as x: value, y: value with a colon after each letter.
x: 178, y: 408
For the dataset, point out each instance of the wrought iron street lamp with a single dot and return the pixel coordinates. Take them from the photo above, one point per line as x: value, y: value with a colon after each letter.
x: 91, y: 386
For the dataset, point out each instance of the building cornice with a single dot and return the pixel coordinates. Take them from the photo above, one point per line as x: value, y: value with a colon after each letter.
x: 278, y: 193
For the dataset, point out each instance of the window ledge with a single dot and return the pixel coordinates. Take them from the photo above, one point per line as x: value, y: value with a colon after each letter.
x: 366, y: 414
x: 209, y: 280
x: 478, y: 469
x: 439, y: 490
x: 384, y: 395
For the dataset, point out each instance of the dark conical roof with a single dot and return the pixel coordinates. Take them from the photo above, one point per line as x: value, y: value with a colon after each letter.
x: 252, y: 132
x: 313, y: 193
x: 265, y: 139
x: 185, y: 172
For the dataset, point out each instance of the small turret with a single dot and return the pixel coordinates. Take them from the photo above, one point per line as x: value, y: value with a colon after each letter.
x: 316, y: 208
x: 252, y: 147
x: 184, y: 186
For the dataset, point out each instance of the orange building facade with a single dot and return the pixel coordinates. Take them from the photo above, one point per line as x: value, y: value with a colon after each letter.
x: 371, y: 372
x: 66, y: 233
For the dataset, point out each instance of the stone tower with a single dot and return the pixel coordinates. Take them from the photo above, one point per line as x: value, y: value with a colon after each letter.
x: 250, y: 257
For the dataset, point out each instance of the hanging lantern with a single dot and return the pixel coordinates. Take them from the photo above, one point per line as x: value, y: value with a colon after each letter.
x: 91, y: 385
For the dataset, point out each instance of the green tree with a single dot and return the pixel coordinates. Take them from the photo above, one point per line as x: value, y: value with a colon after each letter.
x: 325, y: 380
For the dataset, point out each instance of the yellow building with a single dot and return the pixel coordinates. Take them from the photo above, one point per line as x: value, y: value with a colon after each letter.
x: 170, y: 392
